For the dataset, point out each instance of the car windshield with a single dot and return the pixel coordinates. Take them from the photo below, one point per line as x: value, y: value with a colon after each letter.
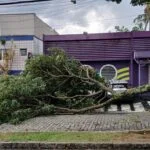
x: 119, y: 86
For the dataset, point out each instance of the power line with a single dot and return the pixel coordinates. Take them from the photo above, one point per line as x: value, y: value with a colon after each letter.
x: 55, y: 13
x: 59, y: 4
x: 82, y: 4
x: 23, y: 2
x: 77, y: 22
x: 51, y: 12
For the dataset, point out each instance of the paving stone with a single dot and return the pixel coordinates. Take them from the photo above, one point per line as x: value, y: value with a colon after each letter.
x: 95, y: 122
x: 139, y: 107
x: 125, y: 108
x: 112, y: 108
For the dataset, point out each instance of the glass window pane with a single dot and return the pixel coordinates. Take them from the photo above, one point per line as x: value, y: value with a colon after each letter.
x: 108, y: 72
x: 23, y: 52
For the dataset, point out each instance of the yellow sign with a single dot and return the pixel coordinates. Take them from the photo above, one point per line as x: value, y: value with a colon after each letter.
x: 123, y: 74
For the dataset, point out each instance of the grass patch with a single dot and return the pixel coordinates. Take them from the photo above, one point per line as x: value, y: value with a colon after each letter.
x: 73, y: 137
x: 58, y: 136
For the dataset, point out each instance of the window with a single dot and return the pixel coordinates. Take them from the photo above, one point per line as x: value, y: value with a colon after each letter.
x: 109, y: 72
x: 118, y: 86
x: 23, y: 52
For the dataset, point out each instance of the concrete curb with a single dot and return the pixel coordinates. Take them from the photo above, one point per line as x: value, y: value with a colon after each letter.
x: 73, y: 146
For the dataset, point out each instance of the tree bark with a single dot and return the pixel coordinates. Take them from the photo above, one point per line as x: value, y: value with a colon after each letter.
x: 117, y: 97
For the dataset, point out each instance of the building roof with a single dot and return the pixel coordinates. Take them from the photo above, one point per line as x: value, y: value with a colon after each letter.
x: 97, y: 36
x: 19, y: 14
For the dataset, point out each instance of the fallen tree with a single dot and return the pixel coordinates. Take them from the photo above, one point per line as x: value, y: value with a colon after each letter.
x: 56, y: 84
x: 73, y: 87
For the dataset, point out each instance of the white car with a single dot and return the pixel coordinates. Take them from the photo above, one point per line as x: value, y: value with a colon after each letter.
x: 119, y: 86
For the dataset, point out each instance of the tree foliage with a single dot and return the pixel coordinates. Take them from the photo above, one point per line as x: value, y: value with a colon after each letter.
x: 141, y: 22
x: 18, y: 97
x: 49, y: 84
x: 144, y: 19
x: 55, y: 84
x: 66, y: 79
x: 133, y: 2
x: 121, y: 29
x: 138, y: 27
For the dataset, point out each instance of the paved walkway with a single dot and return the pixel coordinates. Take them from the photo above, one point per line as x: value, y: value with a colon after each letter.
x: 97, y: 122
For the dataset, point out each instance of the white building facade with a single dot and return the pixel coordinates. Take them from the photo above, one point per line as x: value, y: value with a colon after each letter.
x: 23, y: 32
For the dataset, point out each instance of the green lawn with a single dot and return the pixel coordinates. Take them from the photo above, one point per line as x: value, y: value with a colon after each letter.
x: 60, y: 137
x: 76, y: 137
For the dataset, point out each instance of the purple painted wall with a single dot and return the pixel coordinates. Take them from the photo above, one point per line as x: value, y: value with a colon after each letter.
x: 135, y: 74
x: 144, y: 74
x: 108, y: 48
x: 94, y: 50
x: 99, y: 64
x: 118, y: 65
x: 141, y: 44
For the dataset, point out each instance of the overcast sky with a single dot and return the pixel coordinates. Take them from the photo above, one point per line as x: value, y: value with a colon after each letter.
x: 92, y: 16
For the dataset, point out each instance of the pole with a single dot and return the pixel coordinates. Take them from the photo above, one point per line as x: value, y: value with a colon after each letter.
x: 139, y: 75
x: 140, y: 97
x: 149, y: 24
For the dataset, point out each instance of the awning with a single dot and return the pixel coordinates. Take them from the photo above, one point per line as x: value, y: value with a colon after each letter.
x: 142, y: 54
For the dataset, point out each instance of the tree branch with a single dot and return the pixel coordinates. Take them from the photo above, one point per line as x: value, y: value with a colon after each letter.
x: 76, y: 96
x: 83, y: 110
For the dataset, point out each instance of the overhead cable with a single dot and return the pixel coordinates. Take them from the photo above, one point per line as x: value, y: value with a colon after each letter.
x: 22, y: 2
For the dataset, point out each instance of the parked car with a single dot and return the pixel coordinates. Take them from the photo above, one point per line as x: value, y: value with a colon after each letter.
x: 118, y: 86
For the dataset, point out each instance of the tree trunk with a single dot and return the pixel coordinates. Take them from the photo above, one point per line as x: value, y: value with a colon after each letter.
x: 131, y: 93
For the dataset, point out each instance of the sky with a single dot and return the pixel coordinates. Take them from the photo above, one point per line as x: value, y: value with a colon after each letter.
x: 92, y: 16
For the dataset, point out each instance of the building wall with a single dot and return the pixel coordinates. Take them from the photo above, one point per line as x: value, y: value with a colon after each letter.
x: 122, y: 67
x: 26, y: 31
x: 31, y: 43
x: 149, y: 74
x: 144, y: 75
x: 38, y: 46
x: 108, y: 48
x: 24, y: 24
x: 98, y: 64
x: 19, y: 61
x: 141, y: 44
x: 95, y: 50
x: 42, y: 28
x: 135, y: 74
x: 20, y: 24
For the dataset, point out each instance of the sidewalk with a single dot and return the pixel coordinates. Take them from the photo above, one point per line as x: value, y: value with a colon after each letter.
x: 97, y: 122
